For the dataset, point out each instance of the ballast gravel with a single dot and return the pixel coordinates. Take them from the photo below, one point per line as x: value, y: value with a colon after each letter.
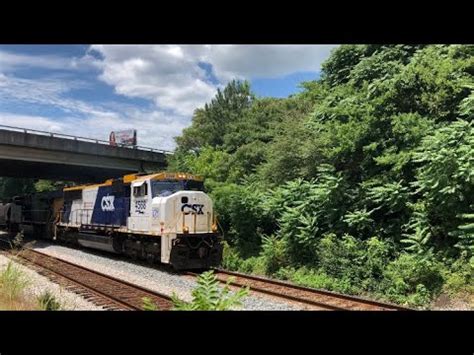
x: 38, y: 284
x: 165, y: 282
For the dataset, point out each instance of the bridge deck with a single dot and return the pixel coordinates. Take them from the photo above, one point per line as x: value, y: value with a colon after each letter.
x: 39, y: 154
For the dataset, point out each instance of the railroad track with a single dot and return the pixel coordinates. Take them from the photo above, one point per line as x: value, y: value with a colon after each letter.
x: 313, y: 298
x: 112, y: 293
x: 103, y: 290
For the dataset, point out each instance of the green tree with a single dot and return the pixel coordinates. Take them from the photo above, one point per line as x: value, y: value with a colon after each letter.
x: 381, y: 145
x: 10, y: 187
x: 445, y: 177
x: 211, y: 123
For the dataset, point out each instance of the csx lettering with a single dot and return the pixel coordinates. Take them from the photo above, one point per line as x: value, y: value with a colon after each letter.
x: 194, y: 208
x: 108, y: 203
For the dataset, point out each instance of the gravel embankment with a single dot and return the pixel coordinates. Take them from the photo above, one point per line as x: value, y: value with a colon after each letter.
x: 461, y: 302
x: 37, y: 284
x: 150, y: 277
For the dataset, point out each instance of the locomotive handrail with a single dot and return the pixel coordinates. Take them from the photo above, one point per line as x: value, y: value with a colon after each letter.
x: 77, y: 217
x: 86, y: 139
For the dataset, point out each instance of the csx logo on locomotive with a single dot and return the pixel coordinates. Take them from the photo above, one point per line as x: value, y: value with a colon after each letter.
x: 196, y: 208
x: 108, y: 203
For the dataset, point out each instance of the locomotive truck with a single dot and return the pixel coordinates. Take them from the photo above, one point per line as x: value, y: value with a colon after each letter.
x: 162, y: 217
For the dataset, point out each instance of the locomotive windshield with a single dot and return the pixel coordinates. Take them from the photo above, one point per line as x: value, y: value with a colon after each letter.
x: 166, y: 188
x: 194, y: 185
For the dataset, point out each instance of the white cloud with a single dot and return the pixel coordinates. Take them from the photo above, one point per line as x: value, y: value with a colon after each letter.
x: 50, y: 92
x: 32, y: 122
x: 155, y: 129
x: 11, y: 61
x: 169, y: 76
x: 265, y: 61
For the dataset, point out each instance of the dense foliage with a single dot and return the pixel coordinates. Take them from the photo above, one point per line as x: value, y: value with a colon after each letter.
x: 362, y: 182
x: 11, y: 187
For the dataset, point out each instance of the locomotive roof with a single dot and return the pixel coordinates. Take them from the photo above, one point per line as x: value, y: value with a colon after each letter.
x: 127, y: 179
x: 169, y: 176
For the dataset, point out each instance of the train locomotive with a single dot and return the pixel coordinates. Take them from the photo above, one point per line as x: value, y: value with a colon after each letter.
x: 162, y: 217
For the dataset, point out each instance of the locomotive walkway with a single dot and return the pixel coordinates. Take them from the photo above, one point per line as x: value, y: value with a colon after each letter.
x: 46, y: 155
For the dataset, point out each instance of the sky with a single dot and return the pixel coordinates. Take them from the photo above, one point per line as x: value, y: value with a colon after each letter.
x: 91, y: 90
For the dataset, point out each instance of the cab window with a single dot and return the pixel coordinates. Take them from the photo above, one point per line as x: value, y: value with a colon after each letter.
x: 193, y: 185
x: 142, y: 190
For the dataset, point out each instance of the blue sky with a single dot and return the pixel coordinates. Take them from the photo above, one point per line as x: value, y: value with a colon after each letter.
x: 92, y: 90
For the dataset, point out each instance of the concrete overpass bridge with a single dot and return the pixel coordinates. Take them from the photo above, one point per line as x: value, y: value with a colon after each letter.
x: 30, y: 153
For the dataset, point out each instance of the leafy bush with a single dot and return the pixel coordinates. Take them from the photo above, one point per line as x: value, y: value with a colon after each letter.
x: 208, y: 296
x: 340, y: 257
x: 359, y: 221
x: 305, y: 210
x: 308, y: 277
x: 344, y: 265
x: 445, y: 179
x: 376, y: 255
x: 255, y: 264
x: 459, y: 276
x: 231, y: 259
x: 48, y: 302
x: 412, y: 279
x: 273, y: 254
x: 466, y: 233
x: 240, y: 216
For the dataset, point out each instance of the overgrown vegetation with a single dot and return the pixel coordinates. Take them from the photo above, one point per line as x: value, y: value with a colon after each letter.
x: 362, y: 183
x: 48, y: 302
x: 209, y: 296
x: 12, y: 281
x: 11, y: 187
x: 12, y: 285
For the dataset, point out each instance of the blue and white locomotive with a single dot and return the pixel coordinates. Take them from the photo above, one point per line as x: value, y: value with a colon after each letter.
x: 163, y: 217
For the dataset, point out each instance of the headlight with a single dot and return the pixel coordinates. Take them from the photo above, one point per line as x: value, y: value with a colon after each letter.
x: 185, y: 229
x: 214, y: 228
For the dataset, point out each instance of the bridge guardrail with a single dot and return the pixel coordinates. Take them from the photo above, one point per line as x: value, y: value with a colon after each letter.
x: 84, y: 139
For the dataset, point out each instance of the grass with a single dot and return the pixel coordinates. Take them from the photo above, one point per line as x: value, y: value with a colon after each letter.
x: 47, y: 302
x: 16, y: 304
x: 149, y: 305
x: 12, y: 281
x: 12, y: 284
